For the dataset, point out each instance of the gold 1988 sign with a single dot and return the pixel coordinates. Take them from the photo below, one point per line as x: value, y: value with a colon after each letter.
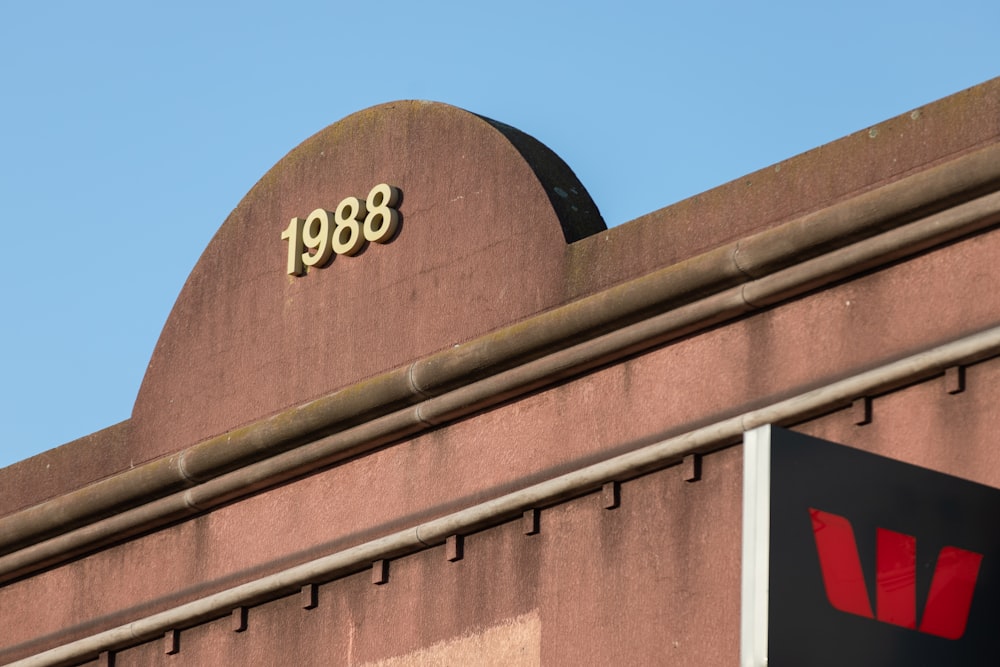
x: 314, y: 241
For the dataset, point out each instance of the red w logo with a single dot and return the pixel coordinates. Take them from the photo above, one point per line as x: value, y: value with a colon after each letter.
x: 948, y: 602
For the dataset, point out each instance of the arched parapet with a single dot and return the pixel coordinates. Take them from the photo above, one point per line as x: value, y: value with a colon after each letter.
x: 277, y: 312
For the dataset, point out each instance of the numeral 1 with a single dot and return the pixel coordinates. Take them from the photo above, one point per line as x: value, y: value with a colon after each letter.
x: 293, y: 233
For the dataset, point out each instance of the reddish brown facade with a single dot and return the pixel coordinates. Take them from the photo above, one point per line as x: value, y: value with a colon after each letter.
x: 509, y: 436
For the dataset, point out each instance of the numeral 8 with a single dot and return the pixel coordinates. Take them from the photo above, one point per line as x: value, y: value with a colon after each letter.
x: 347, y: 237
x: 382, y: 219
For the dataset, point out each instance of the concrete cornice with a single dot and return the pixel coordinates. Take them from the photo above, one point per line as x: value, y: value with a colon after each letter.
x: 902, y: 218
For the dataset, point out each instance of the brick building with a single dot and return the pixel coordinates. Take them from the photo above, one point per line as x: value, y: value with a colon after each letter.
x: 495, y: 432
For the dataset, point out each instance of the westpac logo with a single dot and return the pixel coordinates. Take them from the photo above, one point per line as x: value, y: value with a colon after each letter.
x: 946, y: 611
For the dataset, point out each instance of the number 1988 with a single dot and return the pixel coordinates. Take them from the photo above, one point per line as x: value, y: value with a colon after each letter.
x: 313, y: 241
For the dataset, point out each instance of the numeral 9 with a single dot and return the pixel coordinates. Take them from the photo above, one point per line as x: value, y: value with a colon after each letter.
x: 316, y: 237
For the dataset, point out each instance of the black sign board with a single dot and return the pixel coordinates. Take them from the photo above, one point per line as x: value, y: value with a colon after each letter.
x: 850, y: 558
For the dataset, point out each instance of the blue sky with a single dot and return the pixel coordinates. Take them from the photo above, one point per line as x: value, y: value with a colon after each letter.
x: 129, y: 131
